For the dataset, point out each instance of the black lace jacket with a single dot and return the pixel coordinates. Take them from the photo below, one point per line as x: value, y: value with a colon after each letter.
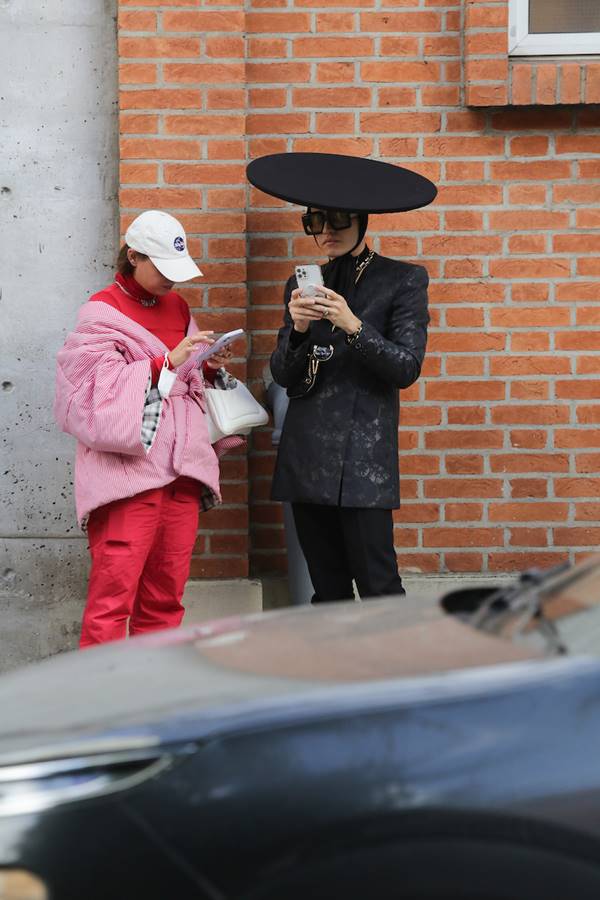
x: 339, y: 444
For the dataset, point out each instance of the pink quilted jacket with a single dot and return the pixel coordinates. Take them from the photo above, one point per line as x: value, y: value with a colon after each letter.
x: 101, y: 384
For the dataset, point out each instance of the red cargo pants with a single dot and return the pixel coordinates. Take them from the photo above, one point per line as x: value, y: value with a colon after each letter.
x: 141, y: 549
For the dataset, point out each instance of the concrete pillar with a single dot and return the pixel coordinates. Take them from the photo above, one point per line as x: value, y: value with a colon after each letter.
x: 58, y: 238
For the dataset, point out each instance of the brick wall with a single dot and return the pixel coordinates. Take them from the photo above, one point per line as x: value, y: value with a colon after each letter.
x: 492, y: 78
x: 182, y: 121
x: 500, y: 438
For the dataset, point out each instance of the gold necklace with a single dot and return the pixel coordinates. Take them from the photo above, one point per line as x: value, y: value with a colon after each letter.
x: 362, y: 266
x: 152, y: 301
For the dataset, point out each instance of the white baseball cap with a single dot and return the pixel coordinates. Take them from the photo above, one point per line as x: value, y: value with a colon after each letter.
x: 162, y: 238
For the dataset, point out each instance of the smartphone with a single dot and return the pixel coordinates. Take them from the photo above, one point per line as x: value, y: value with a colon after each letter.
x: 221, y: 342
x: 309, y: 279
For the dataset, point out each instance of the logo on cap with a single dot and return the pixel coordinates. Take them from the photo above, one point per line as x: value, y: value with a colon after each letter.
x: 179, y: 244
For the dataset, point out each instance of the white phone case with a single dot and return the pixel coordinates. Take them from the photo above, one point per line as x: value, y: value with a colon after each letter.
x: 309, y: 280
x: 220, y: 344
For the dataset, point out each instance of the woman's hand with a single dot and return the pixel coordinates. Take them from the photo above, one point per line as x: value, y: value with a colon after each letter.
x: 303, y: 310
x: 219, y: 359
x: 187, y: 346
x: 333, y: 306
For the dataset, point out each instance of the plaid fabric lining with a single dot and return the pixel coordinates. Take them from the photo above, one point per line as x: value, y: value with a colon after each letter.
x: 150, y: 415
x: 207, y: 498
x: 150, y: 422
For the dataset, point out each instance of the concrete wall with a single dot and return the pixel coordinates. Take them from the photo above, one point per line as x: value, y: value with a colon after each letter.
x: 58, y: 237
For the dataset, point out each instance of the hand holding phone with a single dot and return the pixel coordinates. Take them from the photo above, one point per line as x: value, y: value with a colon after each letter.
x: 220, y: 343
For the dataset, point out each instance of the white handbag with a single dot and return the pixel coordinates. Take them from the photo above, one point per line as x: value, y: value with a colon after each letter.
x: 232, y: 411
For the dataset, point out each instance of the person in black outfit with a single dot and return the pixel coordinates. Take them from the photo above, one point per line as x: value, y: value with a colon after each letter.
x: 343, y: 355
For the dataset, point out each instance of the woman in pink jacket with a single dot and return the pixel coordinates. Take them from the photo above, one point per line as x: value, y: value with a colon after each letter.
x: 130, y: 390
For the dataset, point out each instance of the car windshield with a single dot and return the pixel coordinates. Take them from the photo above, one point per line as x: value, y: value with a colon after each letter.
x: 557, y: 611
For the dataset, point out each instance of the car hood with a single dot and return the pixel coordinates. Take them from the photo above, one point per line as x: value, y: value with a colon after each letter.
x: 140, y: 691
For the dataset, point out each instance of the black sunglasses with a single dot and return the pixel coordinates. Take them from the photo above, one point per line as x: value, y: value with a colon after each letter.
x: 314, y: 221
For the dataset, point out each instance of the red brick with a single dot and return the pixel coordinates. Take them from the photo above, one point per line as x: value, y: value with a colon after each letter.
x: 391, y: 70
x: 592, y: 83
x: 486, y: 94
x: 463, y: 537
x: 475, y: 439
x: 463, y: 512
x: 574, y: 536
x: 400, y: 122
x: 416, y: 562
x: 226, y: 98
x: 532, y: 440
x: 540, y: 414
x: 517, y: 562
x: 528, y: 293
x: 463, y: 487
x: 547, y: 83
x: 528, y: 487
x: 336, y: 21
x: 158, y: 47
x: 463, y: 562
x: 577, y: 437
x: 529, y: 341
x: 203, y: 173
x: 480, y: 16
x: 579, y: 389
x: 138, y: 73
x: 465, y: 390
x: 417, y: 512
x: 138, y: 124
x: 529, y: 390
x: 201, y: 21
x: 224, y: 46
x: 136, y: 20
x: 530, y: 317
x: 138, y: 173
x: 144, y: 148
x: 587, y: 512
x: 465, y: 464
x: 527, y: 512
x: 529, y: 365
x: 570, y: 83
x: 203, y: 73
x: 265, y: 47
x: 527, y: 243
x: 277, y: 22
x: 322, y: 47
x: 464, y: 365
x: 159, y: 198
x: 444, y: 95
x: 439, y: 45
x: 588, y: 414
x: 221, y: 150
x: 331, y: 72
x: 529, y: 462
x: 160, y: 99
x: 323, y: 97
x: 528, y: 537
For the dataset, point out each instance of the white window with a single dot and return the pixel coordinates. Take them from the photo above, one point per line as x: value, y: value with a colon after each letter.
x: 554, y: 27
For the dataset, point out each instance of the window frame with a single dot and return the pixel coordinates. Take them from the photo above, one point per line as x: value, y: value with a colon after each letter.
x: 522, y: 43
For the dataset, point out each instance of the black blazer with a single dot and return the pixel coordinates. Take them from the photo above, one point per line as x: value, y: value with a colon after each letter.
x: 339, y: 444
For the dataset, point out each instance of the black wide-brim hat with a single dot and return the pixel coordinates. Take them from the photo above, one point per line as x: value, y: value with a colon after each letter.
x: 347, y: 183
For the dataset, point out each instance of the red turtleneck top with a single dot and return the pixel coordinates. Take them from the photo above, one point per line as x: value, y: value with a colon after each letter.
x: 168, y: 319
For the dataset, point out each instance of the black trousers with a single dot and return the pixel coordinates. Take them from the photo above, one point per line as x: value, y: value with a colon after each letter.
x: 342, y: 544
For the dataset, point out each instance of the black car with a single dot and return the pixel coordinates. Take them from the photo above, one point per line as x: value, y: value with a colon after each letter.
x: 361, y: 751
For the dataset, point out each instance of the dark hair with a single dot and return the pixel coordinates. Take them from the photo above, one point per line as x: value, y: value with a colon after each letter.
x: 124, y: 267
